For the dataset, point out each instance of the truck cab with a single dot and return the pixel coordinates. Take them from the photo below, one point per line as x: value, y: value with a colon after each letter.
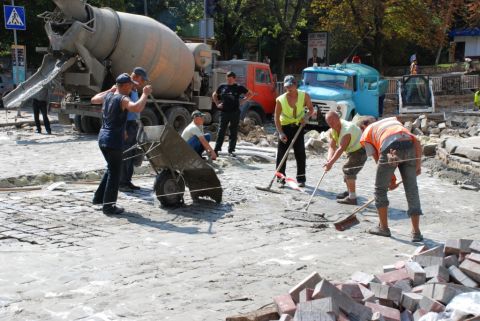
x: 258, y: 78
x: 348, y: 89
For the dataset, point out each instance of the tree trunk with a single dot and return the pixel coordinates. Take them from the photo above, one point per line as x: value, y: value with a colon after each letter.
x: 282, y: 53
x: 378, y: 39
x: 439, y: 53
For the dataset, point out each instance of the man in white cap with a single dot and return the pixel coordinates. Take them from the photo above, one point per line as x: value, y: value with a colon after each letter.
x: 195, y: 137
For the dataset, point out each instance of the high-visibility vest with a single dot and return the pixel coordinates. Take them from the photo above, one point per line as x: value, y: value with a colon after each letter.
x: 476, y: 99
x: 355, y: 134
x: 286, y: 117
x: 376, y: 133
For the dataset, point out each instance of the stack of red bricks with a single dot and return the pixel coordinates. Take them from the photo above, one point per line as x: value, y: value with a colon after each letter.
x: 406, y: 290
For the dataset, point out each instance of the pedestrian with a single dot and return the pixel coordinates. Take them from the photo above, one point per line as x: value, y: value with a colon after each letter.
x: 40, y: 103
x: 195, y: 137
x: 139, y: 75
x: 392, y: 146
x: 413, y: 65
x: 116, y: 105
x: 345, y: 138
x: 289, y: 115
x: 227, y: 100
x: 476, y: 101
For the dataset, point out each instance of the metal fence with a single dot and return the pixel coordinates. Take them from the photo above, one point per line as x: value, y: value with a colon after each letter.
x: 445, y: 84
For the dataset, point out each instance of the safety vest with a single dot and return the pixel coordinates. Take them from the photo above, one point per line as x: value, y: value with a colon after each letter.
x: 376, y: 133
x: 355, y: 134
x: 286, y: 117
x: 476, y: 99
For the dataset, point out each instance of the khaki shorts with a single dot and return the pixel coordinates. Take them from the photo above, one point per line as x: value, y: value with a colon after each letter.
x: 354, y: 163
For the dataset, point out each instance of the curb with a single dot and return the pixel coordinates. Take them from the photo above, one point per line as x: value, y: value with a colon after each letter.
x: 26, y: 122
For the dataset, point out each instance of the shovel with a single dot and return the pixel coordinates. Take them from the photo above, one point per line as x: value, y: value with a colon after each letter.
x: 305, y: 210
x: 352, y: 220
x: 284, y: 159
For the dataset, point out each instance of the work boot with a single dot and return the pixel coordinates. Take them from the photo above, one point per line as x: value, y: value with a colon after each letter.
x: 347, y: 200
x: 125, y: 189
x: 96, y: 202
x: 134, y: 187
x: 113, y: 210
x: 342, y: 195
x: 301, y: 184
x: 232, y: 154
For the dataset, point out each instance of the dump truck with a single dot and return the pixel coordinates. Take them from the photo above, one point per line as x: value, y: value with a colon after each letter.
x: 89, y: 46
x: 349, y: 89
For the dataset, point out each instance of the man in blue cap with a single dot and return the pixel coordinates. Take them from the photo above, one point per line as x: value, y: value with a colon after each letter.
x: 139, y: 75
x: 115, y: 106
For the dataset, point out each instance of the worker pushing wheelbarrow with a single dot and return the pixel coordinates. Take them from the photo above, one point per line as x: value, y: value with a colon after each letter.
x: 177, y: 165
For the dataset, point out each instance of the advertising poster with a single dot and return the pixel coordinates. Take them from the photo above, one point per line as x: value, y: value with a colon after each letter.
x: 317, y: 51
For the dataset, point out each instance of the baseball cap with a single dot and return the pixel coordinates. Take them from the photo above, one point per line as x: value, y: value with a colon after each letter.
x: 125, y: 79
x: 139, y: 71
x: 197, y: 113
x: 231, y: 74
x: 289, y: 80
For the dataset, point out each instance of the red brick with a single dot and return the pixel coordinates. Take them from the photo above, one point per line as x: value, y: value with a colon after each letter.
x: 410, y: 300
x: 309, y: 282
x: 364, y: 278
x: 405, y: 285
x: 352, y: 290
x: 457, y: 246
x: 472, y: 269
x: 418, y: 289
x: 285, y: 304
x: 420, y: 249
x: 386, y: 292
x: 416, y: 273
x: 366, y: 293
x: 306, y: 295
x: 389, y: 314
x: 434, y: 251
x: 285, y: 317
x: 394, y: 276
x: 399, y: 265
x: 430, y: 305
x: 437, y: 271
x: 444, y: 292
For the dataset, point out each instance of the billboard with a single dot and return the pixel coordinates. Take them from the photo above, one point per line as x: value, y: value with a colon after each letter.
x: 317, y: 50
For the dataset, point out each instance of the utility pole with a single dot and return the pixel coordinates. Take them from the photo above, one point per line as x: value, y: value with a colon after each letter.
x: 16, y: 78
x: 205, y: 20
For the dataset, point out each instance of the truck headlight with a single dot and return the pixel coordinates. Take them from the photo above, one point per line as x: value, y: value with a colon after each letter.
x: 341, y: 109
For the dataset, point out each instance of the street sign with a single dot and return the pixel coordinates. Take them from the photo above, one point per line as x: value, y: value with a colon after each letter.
x: 18, y: 57
x: 14, y: 17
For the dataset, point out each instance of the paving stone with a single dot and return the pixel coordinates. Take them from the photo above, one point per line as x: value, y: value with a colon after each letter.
x: 416, y: 273
x: 475, y: 246
x: 327, y: 305
x: 437, y: 271
x: 309, y: 282
x: 386, y: 292
x: 451, y: 260
x: 404, y: 285
x: 389, y: 314
x: 457, y: 246
x: 284, y: 304
x: 425, y: 260
x: 410, y: 300
x: 325, y: 289
x: 475, y: 257
x: 430, y: 305
x: 352, y: 290
x: 472, y: 269
x: 460, y: 277
x: 364, y: 278
x: 444, y: 292
x: 306, y: 295
x: 394, y: 276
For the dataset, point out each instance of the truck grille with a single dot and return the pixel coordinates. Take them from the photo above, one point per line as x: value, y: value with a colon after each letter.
x: 321, y: 107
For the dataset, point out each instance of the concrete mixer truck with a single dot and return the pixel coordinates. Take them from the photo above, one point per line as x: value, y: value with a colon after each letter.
x: 89, y: 46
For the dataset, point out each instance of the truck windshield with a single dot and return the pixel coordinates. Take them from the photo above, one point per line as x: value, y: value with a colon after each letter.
x: 320, y: 80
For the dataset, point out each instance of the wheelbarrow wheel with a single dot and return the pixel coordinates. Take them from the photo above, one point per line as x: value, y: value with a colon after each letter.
x: 169, y: 188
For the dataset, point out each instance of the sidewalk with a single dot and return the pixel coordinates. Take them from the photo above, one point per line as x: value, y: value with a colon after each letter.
x: 9, y: 117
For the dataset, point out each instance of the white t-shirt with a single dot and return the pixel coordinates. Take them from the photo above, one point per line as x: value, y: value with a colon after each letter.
x: 192, y: 130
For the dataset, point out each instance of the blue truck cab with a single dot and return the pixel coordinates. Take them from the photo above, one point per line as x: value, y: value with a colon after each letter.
x: 348, y: 89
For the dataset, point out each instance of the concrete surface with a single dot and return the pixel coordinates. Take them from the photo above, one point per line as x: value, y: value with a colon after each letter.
x: 62, y: 259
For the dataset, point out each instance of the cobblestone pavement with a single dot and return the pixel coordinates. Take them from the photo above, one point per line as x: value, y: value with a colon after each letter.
x: 62, y: 259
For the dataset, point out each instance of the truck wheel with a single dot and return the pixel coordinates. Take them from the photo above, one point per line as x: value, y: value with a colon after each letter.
x: 77, y: 121
x: 169, y: 189
x: 90, y: 125
x: 149, y: 117
x: 178, y: 118
x: 255, y: 117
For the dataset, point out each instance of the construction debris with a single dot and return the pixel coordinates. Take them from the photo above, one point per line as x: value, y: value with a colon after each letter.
x: 433, y: 281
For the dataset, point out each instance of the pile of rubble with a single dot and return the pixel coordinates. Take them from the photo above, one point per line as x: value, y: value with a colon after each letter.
x: 424, y: 125
x: 249, y: 132
x: 434, y: 284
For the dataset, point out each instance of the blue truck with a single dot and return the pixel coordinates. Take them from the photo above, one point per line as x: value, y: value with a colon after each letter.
x: 348, y: 89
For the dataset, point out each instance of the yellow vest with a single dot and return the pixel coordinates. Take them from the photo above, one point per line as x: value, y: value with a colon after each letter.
x: 286, y: 117
x: 476, y: 99
x: 355, y: 134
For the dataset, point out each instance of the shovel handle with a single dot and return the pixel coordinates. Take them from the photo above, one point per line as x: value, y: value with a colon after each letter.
x: 370, y: 201
x: 157, y: 106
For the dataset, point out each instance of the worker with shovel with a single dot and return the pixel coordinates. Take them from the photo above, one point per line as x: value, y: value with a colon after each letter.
x: 289, y: 119
x: 345, y: 137
x: 392, y: 146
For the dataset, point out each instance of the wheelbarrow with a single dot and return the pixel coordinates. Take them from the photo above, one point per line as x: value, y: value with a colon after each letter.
x: 177, y: 165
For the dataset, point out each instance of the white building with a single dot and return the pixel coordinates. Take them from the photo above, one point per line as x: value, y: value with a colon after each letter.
x: 467, y: 43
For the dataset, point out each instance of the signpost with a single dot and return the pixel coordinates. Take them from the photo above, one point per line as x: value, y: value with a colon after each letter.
x: 15, y: 20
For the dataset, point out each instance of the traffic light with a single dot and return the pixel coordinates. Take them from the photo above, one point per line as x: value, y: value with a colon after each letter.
x: 211, y: 7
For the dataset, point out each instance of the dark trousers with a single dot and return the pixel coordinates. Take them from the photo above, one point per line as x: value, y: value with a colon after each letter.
x: 298, y: 148
x: 129, y: 157
x: 197, y: 146
x: 230, y: 120
x: 107, y: 191
x: 41, y: 106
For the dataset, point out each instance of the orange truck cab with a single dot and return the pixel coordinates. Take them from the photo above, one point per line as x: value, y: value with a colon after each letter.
x: 258, y: 78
